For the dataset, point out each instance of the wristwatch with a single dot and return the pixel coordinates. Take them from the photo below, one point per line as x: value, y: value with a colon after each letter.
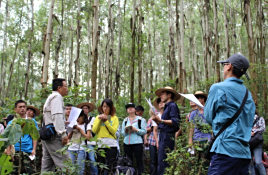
x: 162, y: 122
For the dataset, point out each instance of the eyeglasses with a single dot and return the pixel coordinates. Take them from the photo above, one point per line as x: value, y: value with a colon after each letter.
x: 224, y: 64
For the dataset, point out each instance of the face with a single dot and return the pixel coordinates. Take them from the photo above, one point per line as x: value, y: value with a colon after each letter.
x: 164, y: 97
x: 106, y: 109
x: 131, y: 110
x: 68, y: 110
x: 193, y: 105
x: 30, y: 113
x: 226, y: 69
x: 139, y: 113
x: 201, y: 99
x: 161, y: 105
x: 21, y: 109
x: 63, y: 90
x: 85, y: 109
x: 80, y: 120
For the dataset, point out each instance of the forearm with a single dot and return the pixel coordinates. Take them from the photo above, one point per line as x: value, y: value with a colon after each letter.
x: 96, y: 125
x: 190, y: 135
x: 112, y: 128
x: 167, y: 122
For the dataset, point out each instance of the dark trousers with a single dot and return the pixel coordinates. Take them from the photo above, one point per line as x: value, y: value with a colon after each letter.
x: 27, y: 165
x: 109, y: 160
x: 166, y: 145
x: 153, y: 159
x: 223, y: 165
x: 135, y: 150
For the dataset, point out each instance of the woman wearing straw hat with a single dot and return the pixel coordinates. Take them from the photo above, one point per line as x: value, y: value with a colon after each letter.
x: 168, y: 125
x: 32, y: 112
x: 87, y: 108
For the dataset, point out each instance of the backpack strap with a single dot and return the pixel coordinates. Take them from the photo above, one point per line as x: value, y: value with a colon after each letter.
x: 139, y: 123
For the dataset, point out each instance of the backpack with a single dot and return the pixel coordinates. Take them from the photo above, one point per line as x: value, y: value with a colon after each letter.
x: 139, y: 123
x: 124, y: 166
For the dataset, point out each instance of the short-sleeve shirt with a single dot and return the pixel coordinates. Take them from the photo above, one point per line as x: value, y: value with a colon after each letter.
x: 198, y: 119
x: 77, y: 139
x: 89, y: 127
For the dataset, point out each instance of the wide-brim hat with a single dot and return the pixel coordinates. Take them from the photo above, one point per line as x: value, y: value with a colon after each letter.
x: 169, y: 89
x: 91, y: 106
x: 201, y: 93
x: 36, y: 111
x: 156, y: 102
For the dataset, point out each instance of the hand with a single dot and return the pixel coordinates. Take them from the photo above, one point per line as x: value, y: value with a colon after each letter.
x: 67, y: 123
x: 252, y: 133
x: 33, y: 152
x: 75, y: 127
x: 157, y: 145
x: 146, y: 143
x: 64, y: 140
x: 133, y: 129
x: 156, y: 119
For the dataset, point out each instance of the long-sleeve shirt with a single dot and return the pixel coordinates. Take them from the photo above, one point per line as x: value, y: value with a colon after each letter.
x: 105, y: 131
x: 223, y: 101
x: 171, y: 112
x: 54, y: 112
x: 259, y: 126
x: 134, y: 137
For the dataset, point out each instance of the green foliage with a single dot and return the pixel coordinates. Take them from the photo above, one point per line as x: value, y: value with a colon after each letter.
x: 6, y: 165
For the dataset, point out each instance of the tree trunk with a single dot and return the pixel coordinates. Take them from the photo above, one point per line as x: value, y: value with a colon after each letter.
x: 44, y: 78
x: 182, y: 71
x: 226, y: 27
x: 132, y: 66
x: 206, y: 40
x: 216, y: 41
x: 78, y: 35
x: 119, y: 46
x: 30, y: 54
x: 70, y: 70
x: 58, y: 45
x: 251, y: 51
x: 95, y: 40
x: 140, y: 49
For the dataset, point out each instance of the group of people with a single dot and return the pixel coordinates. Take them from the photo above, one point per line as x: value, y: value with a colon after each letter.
x: 91, y: 136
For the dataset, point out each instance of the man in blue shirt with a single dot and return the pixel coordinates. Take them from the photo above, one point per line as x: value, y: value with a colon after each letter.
x: 26, y: 144
x: 168, y: 125
x: 231, y: 153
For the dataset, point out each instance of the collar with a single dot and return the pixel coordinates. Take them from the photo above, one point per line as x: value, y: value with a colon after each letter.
x: 234, y: 79
x: 56, y: 92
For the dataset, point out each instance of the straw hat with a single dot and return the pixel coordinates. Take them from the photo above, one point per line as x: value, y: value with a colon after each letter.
x: 200, y: 93
x: 36, y: 111
x: 91, y: 106
x: 169, y: 89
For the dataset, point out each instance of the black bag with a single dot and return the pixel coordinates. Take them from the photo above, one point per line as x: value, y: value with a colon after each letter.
x: 255, y: 140
x: 47, y: 132
x: 207, y: 152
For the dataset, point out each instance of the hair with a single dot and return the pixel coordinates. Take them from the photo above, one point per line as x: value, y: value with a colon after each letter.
x: 82, y: 114
x: 57, y: 82
x: 202, y: 97
x: 20, y: 101
x: 139, y: 108
x: 109, y: 103
x: 172, y: 94
x: 69, y: 105
x: 237, y: 72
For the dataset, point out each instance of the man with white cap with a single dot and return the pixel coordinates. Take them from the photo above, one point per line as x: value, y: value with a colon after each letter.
x: 230, y: 151
x: 168, y: 125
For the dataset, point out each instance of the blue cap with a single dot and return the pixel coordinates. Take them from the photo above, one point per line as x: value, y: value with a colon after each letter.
x: 238, y: 61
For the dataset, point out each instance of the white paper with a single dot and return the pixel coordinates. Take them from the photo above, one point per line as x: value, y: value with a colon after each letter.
x: 32, y: 157
x: 192, y: 98
x: 151, y: 106
x: 74, y: 114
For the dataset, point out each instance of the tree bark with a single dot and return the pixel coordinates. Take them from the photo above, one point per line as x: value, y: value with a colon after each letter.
x: 216, y: 41
x: 58, y: 45
x: 133, y: 36
x: 30, y: 54
x: 78, y: 35
x: 95, y: 40
x: 182, y: 71
x: 140, y: 50
x: 70, y: 70
x: 44, y: 78
x: 226, y: 27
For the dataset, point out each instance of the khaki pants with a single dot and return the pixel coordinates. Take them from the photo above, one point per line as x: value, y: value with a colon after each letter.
x: 52, y: 159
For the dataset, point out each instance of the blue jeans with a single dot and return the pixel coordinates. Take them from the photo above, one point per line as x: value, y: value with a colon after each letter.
x: 91, y: 156
x: 257, y: 153
x: 221, y: 164
x: 78, y: 157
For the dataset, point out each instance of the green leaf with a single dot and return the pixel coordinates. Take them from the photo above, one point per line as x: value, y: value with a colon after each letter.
x: 13, y: 132
x: 6, y: 165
